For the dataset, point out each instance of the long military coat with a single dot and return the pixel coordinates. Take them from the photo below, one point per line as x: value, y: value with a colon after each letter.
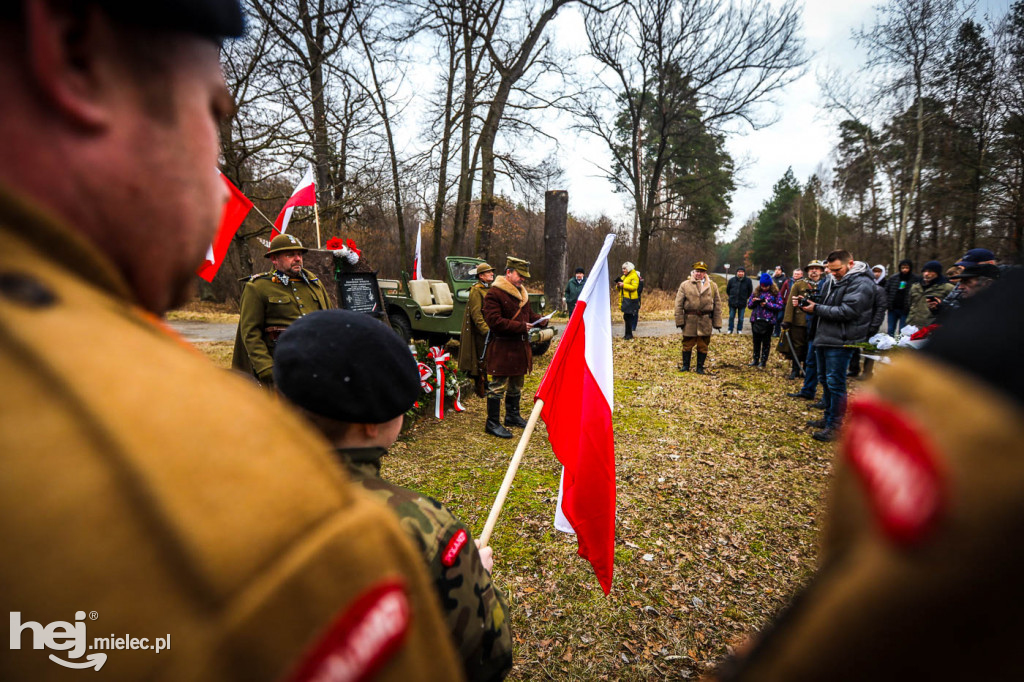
x: 474, y: 330
x: 691, y: 297
x: 142, y: 483
x: 268, y: 302
x: 507, y: 312
x: 475, y: 609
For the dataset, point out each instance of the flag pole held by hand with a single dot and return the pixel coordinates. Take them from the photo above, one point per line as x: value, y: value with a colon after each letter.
x: 513, y: 466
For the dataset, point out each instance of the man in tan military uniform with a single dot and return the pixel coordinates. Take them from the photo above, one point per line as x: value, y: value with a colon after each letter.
x: 474, y: 330
x: 143, y: 491
x: 919, y: 573
x: 270, y: 302
x: 355, y: 379
x: 698, y: 311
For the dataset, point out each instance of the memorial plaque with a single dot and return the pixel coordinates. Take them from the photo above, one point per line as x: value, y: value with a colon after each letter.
x: 359, y: 292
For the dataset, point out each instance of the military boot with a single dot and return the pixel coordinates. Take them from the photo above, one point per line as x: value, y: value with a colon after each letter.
x: 512, y: 417
x: 494, y: 426
x: 685, y: 367
x: 701, y: 357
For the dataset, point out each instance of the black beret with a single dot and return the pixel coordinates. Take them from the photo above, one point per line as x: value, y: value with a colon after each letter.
x: 346, y: 366
x: 209, y: 18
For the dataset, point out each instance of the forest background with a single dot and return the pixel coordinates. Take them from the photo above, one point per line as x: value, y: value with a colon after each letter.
x: 930, y: 159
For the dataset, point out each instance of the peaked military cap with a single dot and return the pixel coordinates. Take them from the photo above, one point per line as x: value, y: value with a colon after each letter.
x: 346, y: 366
x: 285, y: 242
x: 700, y: 265
x: 519, y: 265
x: 484, y: 267
x: 815, y: 264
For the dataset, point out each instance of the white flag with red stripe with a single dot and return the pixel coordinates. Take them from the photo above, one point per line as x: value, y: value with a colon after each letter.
x: 577, y: 395
x: 304, y: 195
x: 417, y: 263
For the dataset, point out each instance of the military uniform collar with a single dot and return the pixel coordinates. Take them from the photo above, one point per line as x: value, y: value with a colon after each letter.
x: 362, y: 456
x: 61, y: 245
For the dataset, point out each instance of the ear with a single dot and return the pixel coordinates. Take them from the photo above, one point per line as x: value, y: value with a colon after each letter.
x: 66, y: 60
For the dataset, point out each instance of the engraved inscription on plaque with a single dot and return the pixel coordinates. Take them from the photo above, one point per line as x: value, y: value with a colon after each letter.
x: 359, y: 292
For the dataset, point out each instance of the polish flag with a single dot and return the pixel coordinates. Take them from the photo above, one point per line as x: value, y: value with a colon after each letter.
x: 577, y: 395
x: 304, y: 195
x: 417, y: 261
x: 235, y: 210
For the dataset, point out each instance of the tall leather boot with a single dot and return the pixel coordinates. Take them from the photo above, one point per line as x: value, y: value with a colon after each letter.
x: 494, y: 426
x: 765, y: 349
x: 685, y: 367
x: 701, y: 357
x: 512, y: 416
x: 757, y: 353
x: 795, y: 371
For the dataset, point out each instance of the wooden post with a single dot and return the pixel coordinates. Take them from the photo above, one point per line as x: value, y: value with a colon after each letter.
x: 316, y: 216
x: 556, y: 208
x: 513, y: 466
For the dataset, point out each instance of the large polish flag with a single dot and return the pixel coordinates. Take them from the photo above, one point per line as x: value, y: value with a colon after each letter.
x: 304, y: 195
x: 577, y: 395
x: 417, y: 262
x: 235, y: 209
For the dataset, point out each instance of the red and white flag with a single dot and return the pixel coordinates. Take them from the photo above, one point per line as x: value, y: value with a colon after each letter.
x: 304, y: 195
x: 577, y: 395
x: 235, y: 209
x: 417, y: 262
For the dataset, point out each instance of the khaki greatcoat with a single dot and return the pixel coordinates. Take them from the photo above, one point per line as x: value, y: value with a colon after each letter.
x: 474, y: 331
x: 169, y: 496
x: 691, y: 297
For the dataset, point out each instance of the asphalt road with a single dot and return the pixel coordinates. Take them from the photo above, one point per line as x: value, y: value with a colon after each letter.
x: 216, y: 331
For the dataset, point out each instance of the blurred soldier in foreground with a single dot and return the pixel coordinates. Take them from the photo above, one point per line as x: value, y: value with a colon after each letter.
x: 355, y: 379
x: 270, y: 302
x: 921, y: 555
x: 474, y: 330
x: 144, y: 492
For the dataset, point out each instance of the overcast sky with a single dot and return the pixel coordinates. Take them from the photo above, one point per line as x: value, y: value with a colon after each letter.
x: 802, y: 137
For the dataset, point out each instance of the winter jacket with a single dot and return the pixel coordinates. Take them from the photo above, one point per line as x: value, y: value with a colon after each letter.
x: 507, y: 311
x: 698, y: 307
x: 630, y: 283
x: 772, y: 305
x: 739, y: 290
x: 824, y: 289
x: 573, y: 289
x: 795, y: 316
x: 848, y: 314
x: 920, y: 315
x: 897, y: 291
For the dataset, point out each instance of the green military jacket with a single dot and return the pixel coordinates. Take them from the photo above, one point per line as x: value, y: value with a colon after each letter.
x: 267, y: 301
x: 793, y: 315
x: 474, y: 331
x: 474, y: 608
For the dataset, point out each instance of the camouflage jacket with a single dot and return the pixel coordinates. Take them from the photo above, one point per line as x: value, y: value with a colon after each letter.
x: 474, y: 608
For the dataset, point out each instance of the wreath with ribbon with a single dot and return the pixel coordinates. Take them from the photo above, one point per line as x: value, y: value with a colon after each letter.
x: 441, y: 379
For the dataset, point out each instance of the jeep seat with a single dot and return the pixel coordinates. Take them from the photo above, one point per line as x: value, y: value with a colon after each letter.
x: 419, y: 289
x: 442, y: 294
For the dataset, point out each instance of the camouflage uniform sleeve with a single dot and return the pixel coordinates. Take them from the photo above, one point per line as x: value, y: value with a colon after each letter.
x: 474, y: 607
x: 250, y: 326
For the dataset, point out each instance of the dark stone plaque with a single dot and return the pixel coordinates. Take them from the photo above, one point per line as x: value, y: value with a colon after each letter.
x: 359, y: 292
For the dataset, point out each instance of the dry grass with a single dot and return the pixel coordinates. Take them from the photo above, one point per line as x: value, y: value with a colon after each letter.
x: 718, y: 482
x: 202, y: 311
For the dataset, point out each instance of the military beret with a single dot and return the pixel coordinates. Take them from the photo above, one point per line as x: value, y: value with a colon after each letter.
x: 209, y: 18
x: 345, y: 366
x: 284, y: 242
x: 519, y: 265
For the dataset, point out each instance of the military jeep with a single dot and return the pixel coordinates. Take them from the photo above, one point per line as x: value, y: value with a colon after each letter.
x: 433, y: 309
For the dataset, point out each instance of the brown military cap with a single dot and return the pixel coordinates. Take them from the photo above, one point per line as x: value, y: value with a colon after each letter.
x: 700, y: 265
x: 285, y: 242
x: 484, y: 267
x: 519, y: 265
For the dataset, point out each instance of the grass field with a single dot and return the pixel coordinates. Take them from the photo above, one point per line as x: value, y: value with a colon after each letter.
x: 719, y: 494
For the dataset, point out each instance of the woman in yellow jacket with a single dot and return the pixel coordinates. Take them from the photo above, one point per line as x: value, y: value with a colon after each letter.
x: 629, y: 299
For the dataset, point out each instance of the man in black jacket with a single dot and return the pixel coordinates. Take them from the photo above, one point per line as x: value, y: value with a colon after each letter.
x: 738, y: 291
x: 850, y: 314
x: 897, y: 293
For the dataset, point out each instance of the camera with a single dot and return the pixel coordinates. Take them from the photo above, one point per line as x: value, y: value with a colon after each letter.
x: 804, y: 299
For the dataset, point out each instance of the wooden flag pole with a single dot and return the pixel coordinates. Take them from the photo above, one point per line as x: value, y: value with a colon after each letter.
x: 513, y: 466
x: 316, y: 215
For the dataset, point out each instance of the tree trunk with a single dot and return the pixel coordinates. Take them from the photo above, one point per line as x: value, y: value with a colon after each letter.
x: 487, y: 176
x: 321, y: 146
x: 556, y: 207
x: 442, y: 175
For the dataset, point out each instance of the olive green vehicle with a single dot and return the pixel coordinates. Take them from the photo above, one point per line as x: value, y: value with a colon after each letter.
x: 433, y: 309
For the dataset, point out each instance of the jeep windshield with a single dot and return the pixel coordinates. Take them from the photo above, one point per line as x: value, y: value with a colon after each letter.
x: 463, y: 271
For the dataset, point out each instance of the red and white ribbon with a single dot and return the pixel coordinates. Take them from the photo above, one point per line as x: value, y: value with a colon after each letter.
x: 425, y: 374
x: 439, y: 356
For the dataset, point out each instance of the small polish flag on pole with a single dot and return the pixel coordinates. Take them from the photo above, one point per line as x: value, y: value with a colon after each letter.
x: 235, y: 209
x: 575, y: 401
x: 304, y: 195
x: 417, y: 261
